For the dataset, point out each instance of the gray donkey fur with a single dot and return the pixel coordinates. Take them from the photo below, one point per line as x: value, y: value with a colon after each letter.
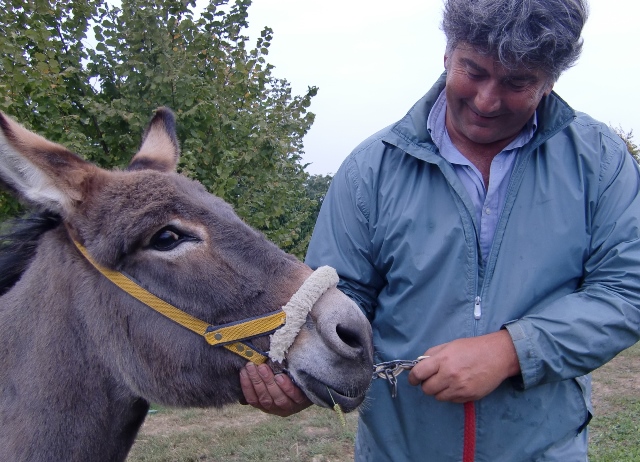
x: 80, y: 360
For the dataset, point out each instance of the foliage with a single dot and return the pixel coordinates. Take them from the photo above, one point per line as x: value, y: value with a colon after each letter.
x: 316, y: 187
x: 240, y: 127
x: 627, y: 137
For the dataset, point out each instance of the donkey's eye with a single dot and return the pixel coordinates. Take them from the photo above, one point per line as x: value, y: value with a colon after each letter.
x: 168, y: 239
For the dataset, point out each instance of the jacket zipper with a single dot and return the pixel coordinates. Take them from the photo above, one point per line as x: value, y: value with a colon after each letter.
x: 477, y: 314
x: 477, y: 308
x: 469, y: 432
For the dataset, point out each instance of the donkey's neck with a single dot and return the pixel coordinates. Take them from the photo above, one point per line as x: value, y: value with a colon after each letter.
x: 73, y: 408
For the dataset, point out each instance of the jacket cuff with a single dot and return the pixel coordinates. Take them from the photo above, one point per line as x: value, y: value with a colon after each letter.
x: 529, y: 374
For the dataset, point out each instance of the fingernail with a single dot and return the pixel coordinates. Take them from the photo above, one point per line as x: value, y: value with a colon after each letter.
x: 279, y: 379
x: 263, y: 371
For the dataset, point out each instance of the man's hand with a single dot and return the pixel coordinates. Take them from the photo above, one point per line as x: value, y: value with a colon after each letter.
x: 466, y: 369
x: 273, y: 394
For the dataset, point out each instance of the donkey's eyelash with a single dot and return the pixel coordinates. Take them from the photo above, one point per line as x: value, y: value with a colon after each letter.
x: 168, y: 238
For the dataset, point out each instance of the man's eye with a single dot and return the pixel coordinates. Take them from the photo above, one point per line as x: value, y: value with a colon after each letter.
x: 517, y: 84
x: 168, y: 238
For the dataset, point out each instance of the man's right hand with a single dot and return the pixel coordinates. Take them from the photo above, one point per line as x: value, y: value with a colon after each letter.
x: 271, y: 393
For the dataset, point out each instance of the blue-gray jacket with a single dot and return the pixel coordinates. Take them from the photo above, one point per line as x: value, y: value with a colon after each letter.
x: 563, y: 276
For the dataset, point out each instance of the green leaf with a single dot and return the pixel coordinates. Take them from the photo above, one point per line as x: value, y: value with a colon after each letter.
x: 240, y: 128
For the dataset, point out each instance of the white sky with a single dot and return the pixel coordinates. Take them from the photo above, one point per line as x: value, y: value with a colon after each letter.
x: 373, y: 59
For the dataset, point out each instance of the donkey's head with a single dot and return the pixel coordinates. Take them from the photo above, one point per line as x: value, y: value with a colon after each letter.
x: 190, y: 250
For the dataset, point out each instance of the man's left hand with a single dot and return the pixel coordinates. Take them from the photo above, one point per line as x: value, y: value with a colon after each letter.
x: 466, y: 369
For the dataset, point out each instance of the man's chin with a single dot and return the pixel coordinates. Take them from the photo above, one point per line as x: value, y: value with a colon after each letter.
x: 484, y: 136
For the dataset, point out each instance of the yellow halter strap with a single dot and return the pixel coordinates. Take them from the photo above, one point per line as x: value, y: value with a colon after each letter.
x: 229, y: 335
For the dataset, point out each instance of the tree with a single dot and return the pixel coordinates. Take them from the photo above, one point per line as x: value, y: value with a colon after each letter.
x: 316, y: 187
x: 627, y: 137
x: 240, y: 127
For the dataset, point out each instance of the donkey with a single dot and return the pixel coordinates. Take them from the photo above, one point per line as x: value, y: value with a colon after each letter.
x: 81, y: 358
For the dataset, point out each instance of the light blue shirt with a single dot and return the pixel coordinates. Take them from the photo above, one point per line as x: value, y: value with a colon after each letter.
x: 488, y: 203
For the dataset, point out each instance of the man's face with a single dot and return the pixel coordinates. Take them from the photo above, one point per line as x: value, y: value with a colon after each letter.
x: 487, y: 104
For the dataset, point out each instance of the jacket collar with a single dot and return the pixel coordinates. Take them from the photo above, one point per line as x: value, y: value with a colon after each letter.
x: 411, y: 135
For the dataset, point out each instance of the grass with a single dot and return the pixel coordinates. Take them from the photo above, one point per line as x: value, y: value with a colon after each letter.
x: 242, y: 434
x: 616, y: 437
x: 615, y: 429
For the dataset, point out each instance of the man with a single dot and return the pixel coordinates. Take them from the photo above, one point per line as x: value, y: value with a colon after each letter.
x: 494, y: 230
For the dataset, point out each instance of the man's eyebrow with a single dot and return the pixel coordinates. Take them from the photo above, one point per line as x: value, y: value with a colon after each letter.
x: 523, y: 75
x: 472, y: 64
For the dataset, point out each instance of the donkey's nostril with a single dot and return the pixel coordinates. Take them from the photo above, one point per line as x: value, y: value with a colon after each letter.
x: 349, y: 336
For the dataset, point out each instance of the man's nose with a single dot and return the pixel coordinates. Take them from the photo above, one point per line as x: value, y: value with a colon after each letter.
x: 488, y: 98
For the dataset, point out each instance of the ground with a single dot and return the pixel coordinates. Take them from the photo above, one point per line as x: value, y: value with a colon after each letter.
x: 243, y: 434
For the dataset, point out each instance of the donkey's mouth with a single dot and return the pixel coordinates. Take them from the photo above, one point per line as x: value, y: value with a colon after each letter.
x: 326, y: 394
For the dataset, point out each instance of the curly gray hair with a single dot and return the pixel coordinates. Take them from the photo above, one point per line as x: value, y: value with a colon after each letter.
x: 539, y: 34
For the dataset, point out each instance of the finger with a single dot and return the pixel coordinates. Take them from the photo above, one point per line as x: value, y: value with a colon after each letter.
x: 436, y: 388
x: 276, y: 395
x: 249, y: 380
x: 264, y: 398
x: 290, y: 389
x: 424, y: 370
x: 454, y: 394
x: 445, y: 395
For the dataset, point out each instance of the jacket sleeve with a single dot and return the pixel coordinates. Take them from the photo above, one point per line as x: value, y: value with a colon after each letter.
x: 578, y: 333
x: 341, y: 238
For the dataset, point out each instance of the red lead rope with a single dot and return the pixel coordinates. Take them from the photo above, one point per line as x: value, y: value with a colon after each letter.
x: 469, y: 449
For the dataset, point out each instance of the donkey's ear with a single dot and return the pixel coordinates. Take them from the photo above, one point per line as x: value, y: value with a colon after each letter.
x: 39, y: 171
x: 159, y: 150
